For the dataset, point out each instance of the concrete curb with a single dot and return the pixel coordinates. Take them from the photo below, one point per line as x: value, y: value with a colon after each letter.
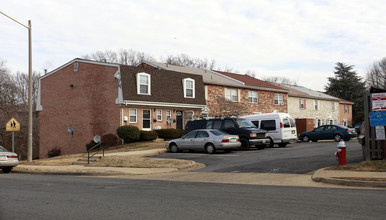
x: 320, y: 176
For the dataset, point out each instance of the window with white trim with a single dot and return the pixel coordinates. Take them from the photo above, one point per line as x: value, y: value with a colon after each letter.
x: 279, y: 99
x: 133, y: 115
x: 231, y: 95
x: 332, y: 106
x: 252, y: 97
x: 316, y: 104
x: 143, y: 84
x: 302, y: 103
x: 159, y: 114
x: 189, y: 115
x: 168, y: 114
x: 346, y: 109
x: 189, y: 87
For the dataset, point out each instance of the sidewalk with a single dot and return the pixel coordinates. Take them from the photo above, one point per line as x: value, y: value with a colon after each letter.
x: 319, y: 178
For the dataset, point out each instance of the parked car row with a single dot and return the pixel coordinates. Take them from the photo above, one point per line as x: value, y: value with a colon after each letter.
x: 258, y: 130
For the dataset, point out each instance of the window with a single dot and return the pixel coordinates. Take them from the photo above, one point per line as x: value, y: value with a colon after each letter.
x: 332, y: 106
x: 316, y: 104
x: 143, y: 84
x: 268, y: 124
x: 346, y: 109
x: 252, y: 97
x: 168, y: 115
x: 189, y: 115
x: 133, y: 115
x: 202, y: 134
x: 302, y: 104
x: 191, y: 135
x: 228, y: 123
x: 232, y: 95
x: 279, y: 99
x: 159, y: 114
x: 146, y: 119
x: 188, y: 85
x: 217, y: 124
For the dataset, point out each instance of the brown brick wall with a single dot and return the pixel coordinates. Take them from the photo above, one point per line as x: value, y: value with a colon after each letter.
x: 265, y: 100
x: 89, y: 106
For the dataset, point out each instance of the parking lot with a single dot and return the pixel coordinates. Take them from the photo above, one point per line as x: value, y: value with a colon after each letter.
x: 296, y: 158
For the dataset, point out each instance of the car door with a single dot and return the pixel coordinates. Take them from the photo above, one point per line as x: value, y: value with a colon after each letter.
x: 317, y: 134
x: 201, y: 139
x: 330, y: 131
x: 187, y: 142
x: 229, y: 126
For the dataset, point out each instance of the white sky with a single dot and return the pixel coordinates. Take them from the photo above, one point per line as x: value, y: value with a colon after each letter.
x: 298, y: 39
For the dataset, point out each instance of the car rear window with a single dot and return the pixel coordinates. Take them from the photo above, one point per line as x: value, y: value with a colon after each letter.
x: 216, y: 132
x: 286, y: 123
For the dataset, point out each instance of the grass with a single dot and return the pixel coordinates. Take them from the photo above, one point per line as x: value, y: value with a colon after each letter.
x: 373, y: 165
x: 139, y: 162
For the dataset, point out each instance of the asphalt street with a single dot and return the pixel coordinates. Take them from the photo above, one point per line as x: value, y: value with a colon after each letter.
x: 296, y: 158
x: 25, y: 196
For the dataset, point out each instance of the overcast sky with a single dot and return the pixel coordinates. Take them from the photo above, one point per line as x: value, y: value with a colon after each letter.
x: 298, y: 39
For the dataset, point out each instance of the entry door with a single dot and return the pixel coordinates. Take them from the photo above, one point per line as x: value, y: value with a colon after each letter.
x: 146, y: 119
x: 180, y: 121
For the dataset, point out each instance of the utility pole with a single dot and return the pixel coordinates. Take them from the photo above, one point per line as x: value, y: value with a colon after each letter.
x: 30, y: 122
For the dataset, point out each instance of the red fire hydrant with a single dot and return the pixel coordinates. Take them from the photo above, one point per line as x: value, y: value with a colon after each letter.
x: 341, y: 153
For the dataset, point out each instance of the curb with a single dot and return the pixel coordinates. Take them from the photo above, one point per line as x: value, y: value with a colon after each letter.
x: 318, y: 177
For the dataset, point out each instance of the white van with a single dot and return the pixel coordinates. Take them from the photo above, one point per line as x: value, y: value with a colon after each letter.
x: 281, y: 127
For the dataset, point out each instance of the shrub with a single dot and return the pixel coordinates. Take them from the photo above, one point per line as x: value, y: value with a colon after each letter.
x: 109, y: 140
x: 170, y: 133
x: 148, y: 135
x: 90, y: 145
x: 54, y: 152
x: 128, y: 133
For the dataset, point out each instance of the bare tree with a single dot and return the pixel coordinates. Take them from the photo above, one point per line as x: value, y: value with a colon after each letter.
x: 376, y: 76
x: 186, y: 60
x: 280, y: 80
x: 125, y: 57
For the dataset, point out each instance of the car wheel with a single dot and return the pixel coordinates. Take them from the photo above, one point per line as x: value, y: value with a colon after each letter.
x: 283, y: 144
x: 306, y: 138
x: 270, y: 144
x: 337, y: 137
x: 244, y: 144
x: 210, y: 149
x: 7, y: 169
x: 346, y: 139
x: 174, y: 148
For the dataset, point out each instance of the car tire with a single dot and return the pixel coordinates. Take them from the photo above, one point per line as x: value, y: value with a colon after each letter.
x: 210, y: 149
x: 244, y: 144
x: 282, y: 144
x: 174, y: 148
x: 305, y: 138
x: 337, y: 137
x: 7, y: 169
x: 271, y: 143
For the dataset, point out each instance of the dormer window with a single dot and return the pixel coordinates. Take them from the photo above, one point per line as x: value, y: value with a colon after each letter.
x: 143, y: 84
x: 189, y: 88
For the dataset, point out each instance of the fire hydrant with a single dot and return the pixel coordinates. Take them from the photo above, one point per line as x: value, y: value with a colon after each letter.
x: 341, y: 153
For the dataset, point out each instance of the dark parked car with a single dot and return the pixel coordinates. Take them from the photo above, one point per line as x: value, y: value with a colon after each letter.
x: 245, y: 129
x: 328, y: 132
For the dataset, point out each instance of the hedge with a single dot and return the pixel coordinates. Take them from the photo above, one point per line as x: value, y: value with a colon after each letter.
x: 128, y: 133
x: 170, y: 133
x: 148, y: 135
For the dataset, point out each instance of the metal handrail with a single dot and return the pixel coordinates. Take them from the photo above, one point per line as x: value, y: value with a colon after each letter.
x: 101, y: 147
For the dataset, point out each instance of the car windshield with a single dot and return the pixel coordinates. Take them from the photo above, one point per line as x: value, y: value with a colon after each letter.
x: 244, y: 123
x: 217, y: 132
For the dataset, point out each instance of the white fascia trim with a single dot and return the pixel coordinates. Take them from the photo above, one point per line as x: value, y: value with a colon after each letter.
x: 266, y: 89
x: 80, y: 61
x: 163, y: 104
x: 39, y: 106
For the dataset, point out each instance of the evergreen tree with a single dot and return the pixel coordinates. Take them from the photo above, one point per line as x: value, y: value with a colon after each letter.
x: 346, y: 84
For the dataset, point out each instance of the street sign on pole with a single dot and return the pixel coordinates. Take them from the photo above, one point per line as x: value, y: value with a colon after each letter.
x: 12, y: 125
x: 377, y: 118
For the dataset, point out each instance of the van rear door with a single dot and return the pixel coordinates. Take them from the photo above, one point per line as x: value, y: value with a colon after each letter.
x: 289, y: 128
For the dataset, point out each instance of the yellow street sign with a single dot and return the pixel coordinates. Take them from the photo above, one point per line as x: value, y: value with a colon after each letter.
x: 12, y: 125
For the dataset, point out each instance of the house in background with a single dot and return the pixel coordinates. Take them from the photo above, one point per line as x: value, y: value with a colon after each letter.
x: 246, y: 94
x: 96, y: 98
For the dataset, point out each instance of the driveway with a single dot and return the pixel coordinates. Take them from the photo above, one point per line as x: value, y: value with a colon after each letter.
x: 297, y: 158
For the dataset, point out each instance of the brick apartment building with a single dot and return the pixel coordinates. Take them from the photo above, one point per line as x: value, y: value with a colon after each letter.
x: 96, y: 98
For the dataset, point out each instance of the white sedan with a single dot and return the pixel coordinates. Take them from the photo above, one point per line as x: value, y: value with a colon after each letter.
x: 208, y: 140
x: 8, y: 160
